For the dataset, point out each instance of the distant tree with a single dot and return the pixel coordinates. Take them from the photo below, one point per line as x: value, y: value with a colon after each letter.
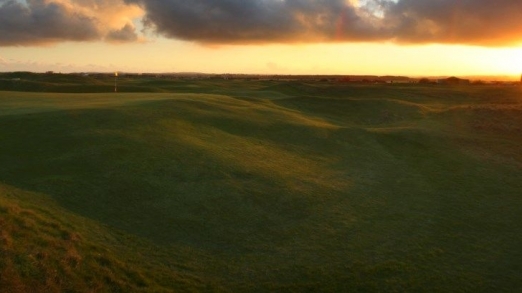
x: 424, y: 80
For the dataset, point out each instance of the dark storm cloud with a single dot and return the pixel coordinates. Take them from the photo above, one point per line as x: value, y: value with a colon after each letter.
x: 478, y: 22
x: 483, y: 22
x: 40, y: 22
x: 224, y: 21
x: 125, y: 34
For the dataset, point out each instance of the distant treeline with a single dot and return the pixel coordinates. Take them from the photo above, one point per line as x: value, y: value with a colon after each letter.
x: 169, y: 82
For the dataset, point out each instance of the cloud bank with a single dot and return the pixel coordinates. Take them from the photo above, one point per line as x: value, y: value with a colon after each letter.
x: 40, y: 22
x: 37, y: 22
x: 474, y: 22
x: 478, y: 22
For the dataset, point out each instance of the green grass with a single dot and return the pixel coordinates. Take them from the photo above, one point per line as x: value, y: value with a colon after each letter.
x: 262, y: 186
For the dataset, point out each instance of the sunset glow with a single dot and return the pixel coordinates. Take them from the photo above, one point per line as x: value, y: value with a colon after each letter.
x: 278, y: 37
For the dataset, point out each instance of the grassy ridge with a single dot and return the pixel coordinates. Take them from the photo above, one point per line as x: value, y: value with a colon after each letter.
x: 280, y: 186
x: 48, y: 249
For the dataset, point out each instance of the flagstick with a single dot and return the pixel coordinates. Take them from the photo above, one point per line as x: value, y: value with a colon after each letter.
x: 115, y: 84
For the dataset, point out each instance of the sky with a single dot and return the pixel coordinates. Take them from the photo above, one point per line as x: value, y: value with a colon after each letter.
x: 380, y: 37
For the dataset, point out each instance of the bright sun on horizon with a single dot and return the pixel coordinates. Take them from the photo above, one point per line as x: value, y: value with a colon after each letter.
x: 390, y: 37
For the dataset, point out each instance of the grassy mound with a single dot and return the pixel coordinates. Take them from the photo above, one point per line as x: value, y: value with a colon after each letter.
x: 362, y: 188
x: 48, y: 249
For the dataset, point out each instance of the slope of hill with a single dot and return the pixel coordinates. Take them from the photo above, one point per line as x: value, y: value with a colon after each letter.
x: 273, y: 187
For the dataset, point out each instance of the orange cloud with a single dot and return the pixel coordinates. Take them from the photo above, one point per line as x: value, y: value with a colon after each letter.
x: 38, y: 22
x: 471, y: 22
x: 477, y: 22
